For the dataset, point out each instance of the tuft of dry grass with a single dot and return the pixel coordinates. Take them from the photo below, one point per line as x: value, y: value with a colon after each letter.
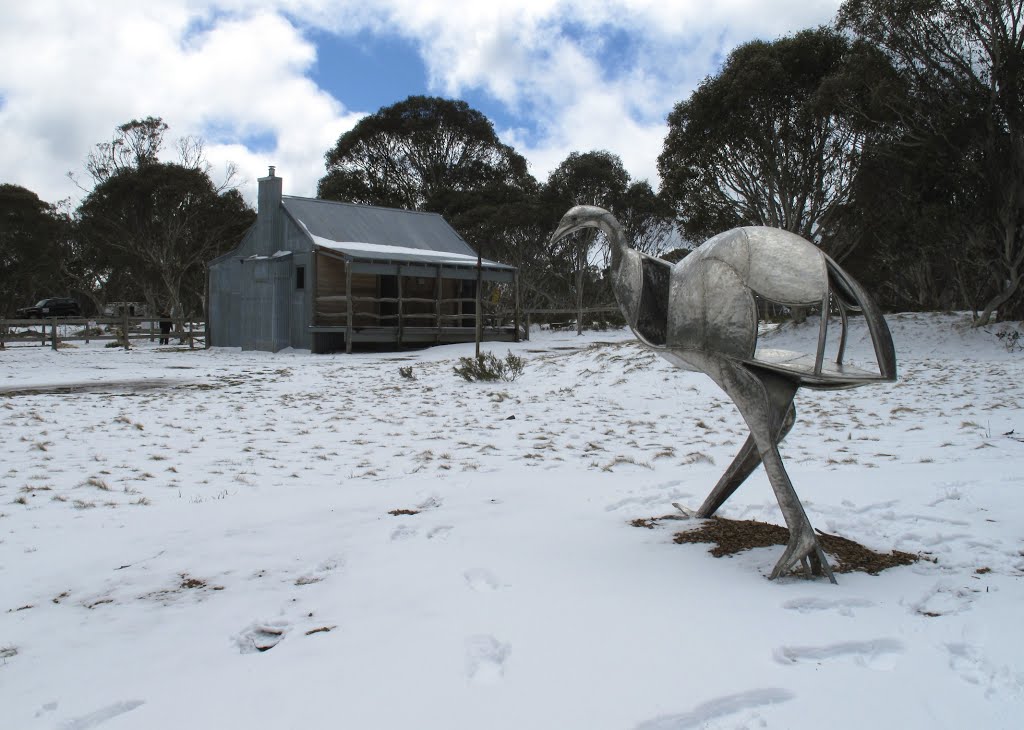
x: 696, y: 457
x: 98, y: 483
x: 624, y: 460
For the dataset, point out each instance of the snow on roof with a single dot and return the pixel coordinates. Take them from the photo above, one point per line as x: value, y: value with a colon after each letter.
x: 384, y: 252
x: 275, y: 255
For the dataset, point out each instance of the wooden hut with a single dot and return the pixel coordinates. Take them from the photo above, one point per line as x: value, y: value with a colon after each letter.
x: 323, y: 276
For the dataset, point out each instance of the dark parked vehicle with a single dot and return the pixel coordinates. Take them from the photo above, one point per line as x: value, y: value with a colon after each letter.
x: 53, y: 307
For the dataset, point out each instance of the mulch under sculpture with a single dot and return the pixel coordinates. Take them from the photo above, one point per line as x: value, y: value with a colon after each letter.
x: 734, y: 536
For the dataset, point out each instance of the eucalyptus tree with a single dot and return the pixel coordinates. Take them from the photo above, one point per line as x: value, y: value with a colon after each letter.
x: 416, y: 154
x: 147, y: 227
x: 163, y: 222
x: 962, y: 64
x: 767, y: 142
x: 31, y: 231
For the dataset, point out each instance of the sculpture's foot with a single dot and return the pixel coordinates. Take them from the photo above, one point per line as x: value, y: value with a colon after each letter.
x: 804, y: 549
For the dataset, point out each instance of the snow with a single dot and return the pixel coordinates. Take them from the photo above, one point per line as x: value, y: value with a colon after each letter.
x: 188, y: 508
x: 379, y: 250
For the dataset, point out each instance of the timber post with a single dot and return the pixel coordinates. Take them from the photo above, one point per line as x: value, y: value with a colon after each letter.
x: 437, y: 307
x: 348, y: 307
x: 53, y: 333
x: 479, y: 298
x: 124, y: 326
x: 515, y: 312
x: 400, y: 321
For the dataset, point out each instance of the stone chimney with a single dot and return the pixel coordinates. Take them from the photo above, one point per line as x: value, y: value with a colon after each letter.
x: 269, y: 218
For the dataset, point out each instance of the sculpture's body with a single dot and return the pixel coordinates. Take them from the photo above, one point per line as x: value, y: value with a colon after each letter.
x: 701, y: 314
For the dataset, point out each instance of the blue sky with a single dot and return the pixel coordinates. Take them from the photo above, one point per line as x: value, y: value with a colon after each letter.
x: 368, y: 71
x: 275, y: 82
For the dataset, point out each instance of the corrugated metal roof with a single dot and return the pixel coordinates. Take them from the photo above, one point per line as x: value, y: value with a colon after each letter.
x: 371, y: 224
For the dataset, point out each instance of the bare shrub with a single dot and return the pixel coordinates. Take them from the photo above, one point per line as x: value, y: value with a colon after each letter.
x: 488, y: 367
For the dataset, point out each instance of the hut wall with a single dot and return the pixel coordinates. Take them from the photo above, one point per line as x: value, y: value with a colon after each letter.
x: 266, y: 291
x: 331, y: 304
x: 225, y: 293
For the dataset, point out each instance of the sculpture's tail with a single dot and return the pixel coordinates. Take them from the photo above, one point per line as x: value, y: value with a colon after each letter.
x: 850, y: 296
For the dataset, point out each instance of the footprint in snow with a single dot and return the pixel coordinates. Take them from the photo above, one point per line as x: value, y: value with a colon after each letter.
x: 842, y: 606
x: 706, y: 712
x: 486, y: 658
x: 403, y: 532
x: 874, y: 654
x: 943, y: 599
x: 48, y: 707
x: 968, y: 662
x: 481, y: 580
x: 260, y: 636
x: 100, y: 716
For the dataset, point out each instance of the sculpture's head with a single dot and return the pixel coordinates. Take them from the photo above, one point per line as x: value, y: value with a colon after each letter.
x: 581, y: 216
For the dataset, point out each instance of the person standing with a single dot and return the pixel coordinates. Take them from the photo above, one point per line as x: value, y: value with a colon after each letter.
x: 165, y: 328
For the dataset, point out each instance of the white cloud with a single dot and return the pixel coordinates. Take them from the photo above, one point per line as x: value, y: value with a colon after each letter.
x: 81, y: 73
x: 235, y: 70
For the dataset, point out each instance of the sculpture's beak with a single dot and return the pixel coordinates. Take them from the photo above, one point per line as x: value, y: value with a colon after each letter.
x: 568, y: 224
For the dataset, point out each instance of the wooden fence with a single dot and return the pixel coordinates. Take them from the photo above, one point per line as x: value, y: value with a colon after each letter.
x: 573, y: 313
x: 54, y: 330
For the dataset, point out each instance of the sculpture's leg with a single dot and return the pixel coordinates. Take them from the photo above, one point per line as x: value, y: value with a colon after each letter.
x: 756, y: 395
x: 803, y: 544
x: 742, y: 467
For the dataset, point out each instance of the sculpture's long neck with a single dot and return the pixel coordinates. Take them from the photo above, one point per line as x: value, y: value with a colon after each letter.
x: 612, y: 230
x: 625, y: 267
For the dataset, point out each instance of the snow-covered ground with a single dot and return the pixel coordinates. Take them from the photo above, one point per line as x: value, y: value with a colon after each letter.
x: 153, y: 539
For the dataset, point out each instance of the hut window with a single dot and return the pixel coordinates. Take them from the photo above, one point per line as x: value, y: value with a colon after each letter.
x: 300, y: 277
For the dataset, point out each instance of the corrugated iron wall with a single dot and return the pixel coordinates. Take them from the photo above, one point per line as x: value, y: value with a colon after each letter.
x: 265, y: 296
x: 225, y: 298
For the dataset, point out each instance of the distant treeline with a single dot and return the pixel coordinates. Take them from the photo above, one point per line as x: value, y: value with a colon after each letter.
x: 893, y: 139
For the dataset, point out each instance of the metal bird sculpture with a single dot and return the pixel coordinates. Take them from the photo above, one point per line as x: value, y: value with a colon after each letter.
x: 701, y: 314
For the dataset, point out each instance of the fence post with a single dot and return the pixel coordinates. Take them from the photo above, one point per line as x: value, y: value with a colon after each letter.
x: 400, y: 322
x: 438, y: 286
x: 348, y: 308
x: 516, y: 315
x: 478, y: 334
x: 3, y: 331
x: 124, y: 327
x: 191, y: 341
x: 53, y: 333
